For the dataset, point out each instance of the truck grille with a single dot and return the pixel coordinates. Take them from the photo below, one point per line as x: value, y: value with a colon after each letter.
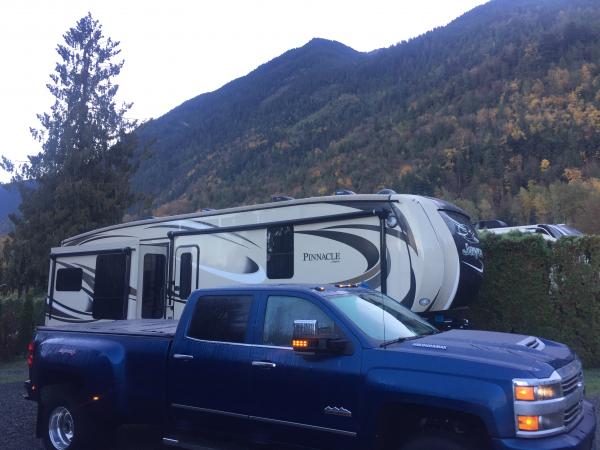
x: 572, y: 413
x: 570, y: 385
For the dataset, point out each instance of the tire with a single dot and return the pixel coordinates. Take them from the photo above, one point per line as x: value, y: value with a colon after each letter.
x: 438, y: 441
x: 64, y: 423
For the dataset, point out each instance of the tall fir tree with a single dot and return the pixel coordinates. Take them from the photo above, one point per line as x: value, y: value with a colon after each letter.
x: 81, y: 176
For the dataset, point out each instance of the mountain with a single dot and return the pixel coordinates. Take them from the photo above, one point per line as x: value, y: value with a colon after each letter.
x: 503, y: 98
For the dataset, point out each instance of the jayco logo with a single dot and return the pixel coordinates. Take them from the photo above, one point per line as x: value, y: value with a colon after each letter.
x: 475, y: 252
x: 322, y: 256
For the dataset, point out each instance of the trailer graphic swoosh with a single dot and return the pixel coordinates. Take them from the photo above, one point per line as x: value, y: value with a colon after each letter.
x: 358, y: 243
x: 478, y: 269
x: 68, y: 309
x: 187, y: 228
x: 105, y: 236
x: 238, y: 235
x: 245, y: 278
x: 400, y: 234
x: 409, y: 298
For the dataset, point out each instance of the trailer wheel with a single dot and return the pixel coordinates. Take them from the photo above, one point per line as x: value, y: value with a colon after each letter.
x: 65, y: 425
x: 439, y: 441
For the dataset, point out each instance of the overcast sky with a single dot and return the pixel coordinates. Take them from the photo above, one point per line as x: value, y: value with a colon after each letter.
x: 176, y: 49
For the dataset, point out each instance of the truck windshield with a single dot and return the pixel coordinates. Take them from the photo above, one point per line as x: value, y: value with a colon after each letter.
x: 381, y: 317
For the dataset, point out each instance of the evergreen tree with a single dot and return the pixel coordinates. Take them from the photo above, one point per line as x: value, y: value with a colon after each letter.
x: 82, y: 172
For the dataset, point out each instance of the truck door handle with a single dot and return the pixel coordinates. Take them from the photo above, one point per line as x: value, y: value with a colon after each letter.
x: 180, y: 356
x: 264, y: 364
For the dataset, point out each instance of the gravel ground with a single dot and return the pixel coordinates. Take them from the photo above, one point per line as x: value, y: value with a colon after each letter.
x: 17, y: 422
x: 17, y: 419
x: 17, y: 425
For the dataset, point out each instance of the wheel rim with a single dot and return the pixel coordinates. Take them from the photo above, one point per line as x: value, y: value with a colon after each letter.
x: 61, y: 428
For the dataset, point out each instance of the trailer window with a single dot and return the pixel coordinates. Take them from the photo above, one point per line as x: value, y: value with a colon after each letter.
x: 185, y: 275
x: 69, y: 279
x: 110, y: 287
x: 221, y: 318
x: 153, y: 286
x: 280, y: 252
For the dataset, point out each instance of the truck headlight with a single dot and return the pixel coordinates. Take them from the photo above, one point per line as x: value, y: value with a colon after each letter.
x: 548, y: 406
x: 534, y: 393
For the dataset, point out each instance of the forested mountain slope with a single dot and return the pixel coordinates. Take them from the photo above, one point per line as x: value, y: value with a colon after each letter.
x: 499, y: 111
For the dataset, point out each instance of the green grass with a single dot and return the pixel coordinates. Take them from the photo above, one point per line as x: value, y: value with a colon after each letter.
x: 592, y: 381
x: 12, y: 372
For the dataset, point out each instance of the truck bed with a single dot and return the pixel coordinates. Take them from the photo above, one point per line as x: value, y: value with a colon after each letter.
x: 141, y: 327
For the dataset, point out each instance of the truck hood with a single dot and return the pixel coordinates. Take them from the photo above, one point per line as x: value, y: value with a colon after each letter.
x: 540, y: 357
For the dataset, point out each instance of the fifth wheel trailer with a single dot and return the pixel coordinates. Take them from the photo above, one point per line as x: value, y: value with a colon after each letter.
x: 420, y: 250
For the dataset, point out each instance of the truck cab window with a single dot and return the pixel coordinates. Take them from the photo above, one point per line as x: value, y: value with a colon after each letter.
x: 280, y: 252
x: 221, y: 318
x: 281, y: 313
x: 69, y: 279
x: 110, y: 287
x: 185, y: 275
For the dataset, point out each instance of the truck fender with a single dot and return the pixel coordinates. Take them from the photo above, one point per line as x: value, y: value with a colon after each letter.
x: 89, y: 365
x: 478, y: 398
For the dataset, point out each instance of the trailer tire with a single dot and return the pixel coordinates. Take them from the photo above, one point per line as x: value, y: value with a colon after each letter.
x: 438, y: 441
x: 65, y: 424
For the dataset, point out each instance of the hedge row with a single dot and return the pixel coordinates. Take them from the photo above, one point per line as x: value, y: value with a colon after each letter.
x: 18, y: 319
x: 550, y: 290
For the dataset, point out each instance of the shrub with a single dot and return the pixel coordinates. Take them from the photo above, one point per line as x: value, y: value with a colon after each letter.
x: 18, y: 319
x: 551, y: 290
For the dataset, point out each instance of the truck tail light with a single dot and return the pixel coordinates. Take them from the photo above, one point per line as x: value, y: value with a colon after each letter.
x: 30, y: 351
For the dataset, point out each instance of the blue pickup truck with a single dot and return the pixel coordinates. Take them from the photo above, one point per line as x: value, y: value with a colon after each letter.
x: 337, y: 367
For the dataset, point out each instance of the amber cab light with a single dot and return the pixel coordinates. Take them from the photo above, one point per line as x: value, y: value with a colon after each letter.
x: 30, y: 350
x: 528, y: 423
x: 300, y: 343
x: 526, y: 393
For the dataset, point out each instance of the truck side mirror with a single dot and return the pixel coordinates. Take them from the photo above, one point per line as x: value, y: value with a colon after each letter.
x: 308, y: 341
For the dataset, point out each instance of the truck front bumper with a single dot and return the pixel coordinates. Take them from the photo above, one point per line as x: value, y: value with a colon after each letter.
x: 579, y: 438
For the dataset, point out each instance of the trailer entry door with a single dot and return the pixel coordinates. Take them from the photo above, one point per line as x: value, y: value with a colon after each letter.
x: 186, y: 274
x: 152, y: 281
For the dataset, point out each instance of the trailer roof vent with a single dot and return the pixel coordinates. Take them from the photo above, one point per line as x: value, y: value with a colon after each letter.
x: 207, y: 209
x: 344, y: 192
x: 387, y: 191
x: 281, y: 198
